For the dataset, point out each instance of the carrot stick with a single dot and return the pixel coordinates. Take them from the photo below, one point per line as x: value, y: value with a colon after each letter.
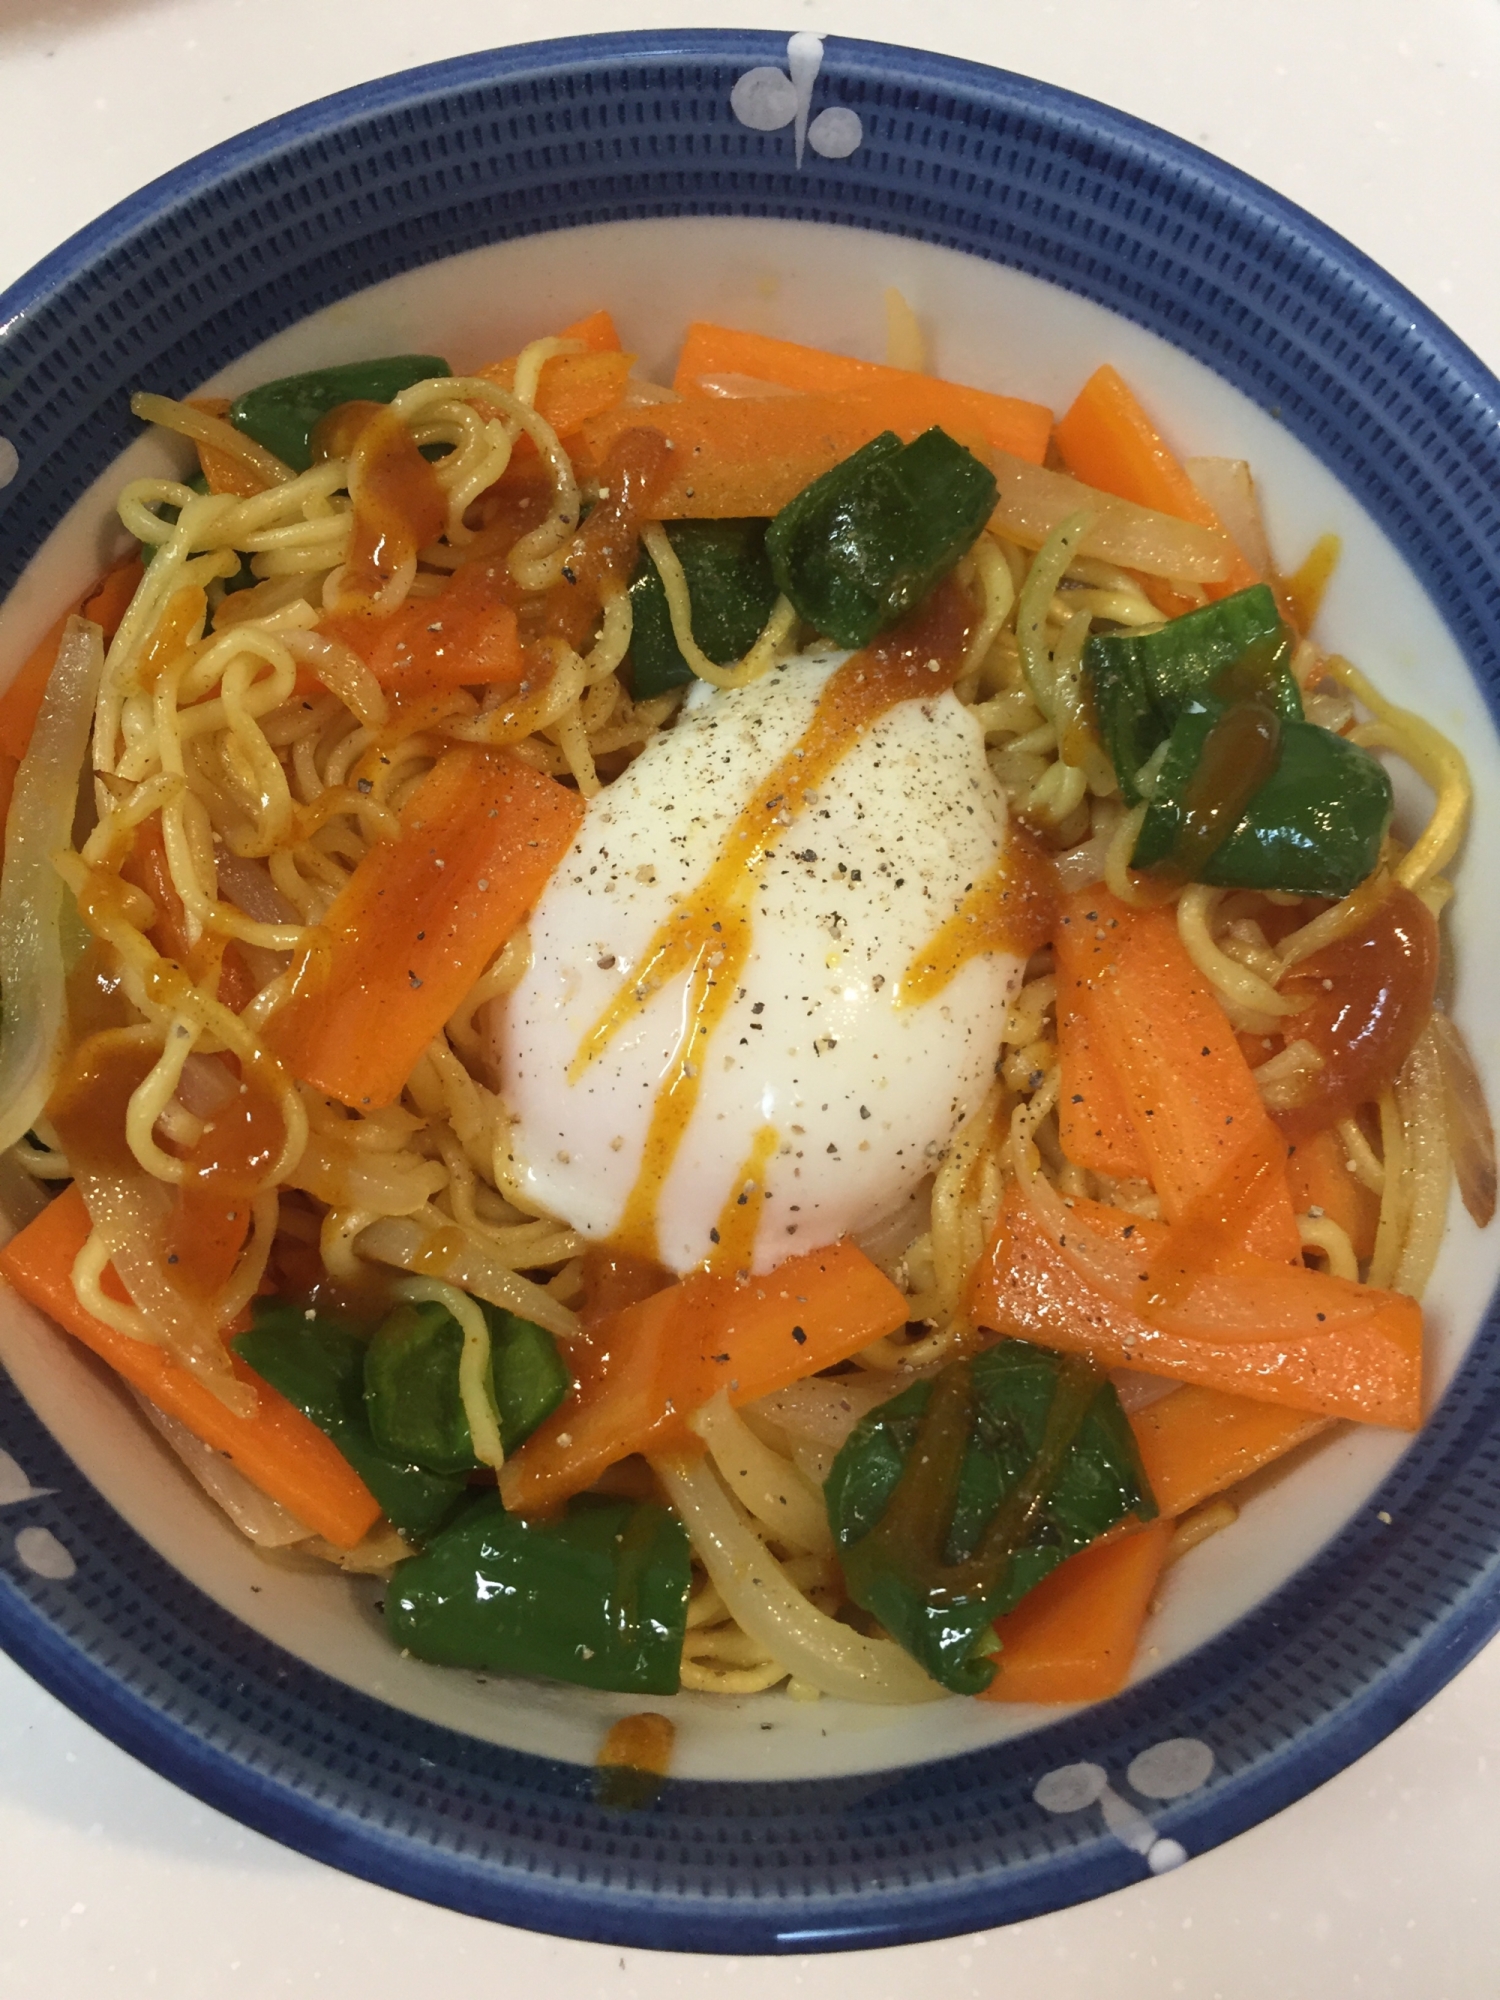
x: 1094, y: 1125
x: 922, y: 400
x: 1211, y: 1150
x: 1319, y: 1177
x: 572, y: 387
x: 105, y: 602
x: 278, y: 1449
x: 1368, y: 1366
x: 466, y: 636
x: 419, y: 920
x: 596, y: 330
x: 747, y: 456
x: 644, y: 1370
x: 1196, y: 1442
x: 1107, y: 440
x: 146, y: 866
x: 1073, y: 1637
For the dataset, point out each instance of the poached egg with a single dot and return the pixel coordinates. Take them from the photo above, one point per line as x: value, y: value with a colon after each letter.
x: 768, y: 981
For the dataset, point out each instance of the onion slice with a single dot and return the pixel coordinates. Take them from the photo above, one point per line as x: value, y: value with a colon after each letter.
x: 763, y: 1601
x: 1228, y: 486
x: 264, y: 1521
x: 31, y: 892
x: 1471, y: 1136
x: 1033, y: 502
x: 464, y: 1262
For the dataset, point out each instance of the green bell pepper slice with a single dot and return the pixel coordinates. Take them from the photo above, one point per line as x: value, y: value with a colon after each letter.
x: 954, y: 1499
x: 729, y: 580
x: 598, y: 1596
x: 1314, y: 827
x: 283, y: 414
x: 868, y: 541
x: 1141, y: 682
x: 318, y: 1366
x: 411, y: 1392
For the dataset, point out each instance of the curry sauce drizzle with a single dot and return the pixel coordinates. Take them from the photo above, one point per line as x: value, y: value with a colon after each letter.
x: 1011, y: 908
x: 709, y: 934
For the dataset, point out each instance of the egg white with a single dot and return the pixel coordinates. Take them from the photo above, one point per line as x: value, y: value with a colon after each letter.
x: 864, y: 1096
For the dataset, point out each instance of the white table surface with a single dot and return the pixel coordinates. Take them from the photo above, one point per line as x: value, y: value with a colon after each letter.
x: 1383, y: 117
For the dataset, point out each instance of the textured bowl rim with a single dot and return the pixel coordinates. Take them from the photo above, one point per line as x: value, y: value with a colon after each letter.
x: 612, y: 1909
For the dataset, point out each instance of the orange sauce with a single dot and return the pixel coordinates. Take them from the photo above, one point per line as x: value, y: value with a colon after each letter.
x: 223, y: 1172
x: 1012, y: 908
x: 399, y: 507
x: 228, y: 1163
x: 93, y: 1094
x: 1368, y: 995
x: 180, y: 624
x: 1304, y: 588
x: 633, y: 1760
x: 708, y: 934
x: 733, y: 1236
x: 612, y: 1280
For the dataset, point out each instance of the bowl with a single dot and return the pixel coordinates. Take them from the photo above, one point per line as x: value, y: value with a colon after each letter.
x: 461, y: 208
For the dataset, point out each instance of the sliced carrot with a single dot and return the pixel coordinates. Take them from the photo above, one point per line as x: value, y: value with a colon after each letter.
x: 1107, y: 440
x: 1005, y: 422
x: 1196, y: 1442
x: 1074, y: 1637
x: 419, y: 920
x: 572, y: 388
x: 596, y: 330
x: 224, y: 472
x: 644, y: 1370
x: 105, y: 603
x: 747, y: 456
x: 466, y: 636
x: 278, y: 1449
x: 146, y: 866
x: 1320, y: 1179
x: 1366, y: 1365
x: 1211, y: 1150
x: 8, y: 768
x: 1093, y: 1115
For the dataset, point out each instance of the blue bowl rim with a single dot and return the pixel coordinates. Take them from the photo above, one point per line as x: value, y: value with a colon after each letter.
x: 608, y: 1913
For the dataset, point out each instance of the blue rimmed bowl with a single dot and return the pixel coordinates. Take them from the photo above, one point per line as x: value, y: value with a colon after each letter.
x: 462, y: 208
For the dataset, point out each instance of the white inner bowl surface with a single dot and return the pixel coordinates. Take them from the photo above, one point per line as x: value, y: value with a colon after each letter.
x: 1000, y: 330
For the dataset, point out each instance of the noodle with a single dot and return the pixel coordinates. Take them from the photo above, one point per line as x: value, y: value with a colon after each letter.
x: 237, y: 725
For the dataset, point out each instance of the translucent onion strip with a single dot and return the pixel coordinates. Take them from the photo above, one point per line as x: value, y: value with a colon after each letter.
x: 765, y: 1603
x: 1034, y: 503
x: 264, y: 1521
x: 1471, y: 1136
x: 31, y: 895
x: 769, y: 1486
x: 466, y: 1264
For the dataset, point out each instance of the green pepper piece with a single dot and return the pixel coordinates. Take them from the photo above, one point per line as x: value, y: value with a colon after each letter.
x: 1141, y: 682
x: 730, y: 582
x: 282, y: 415
x: 865, y: 543
x: 411, y: 1392
x: 1314, y: 828
x: 597, y: 1596
x: 318, y: 1366
x: 957, y: 1497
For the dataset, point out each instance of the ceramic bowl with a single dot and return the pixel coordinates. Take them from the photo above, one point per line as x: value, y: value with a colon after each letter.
x: 462, y: 209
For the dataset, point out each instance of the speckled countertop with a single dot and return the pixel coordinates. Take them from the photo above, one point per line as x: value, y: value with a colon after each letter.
x: 1384, y: 119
